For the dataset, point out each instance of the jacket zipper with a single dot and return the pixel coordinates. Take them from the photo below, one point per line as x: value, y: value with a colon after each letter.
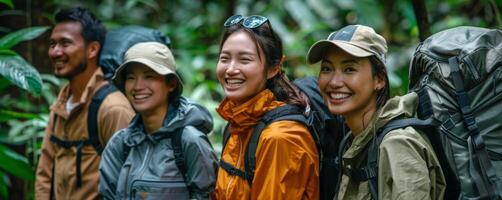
x: 127, y: 177
x: 141, y: 170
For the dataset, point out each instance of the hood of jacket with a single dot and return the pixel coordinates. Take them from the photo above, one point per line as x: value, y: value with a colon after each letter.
x: 179, y: 115
x: 245, y: 116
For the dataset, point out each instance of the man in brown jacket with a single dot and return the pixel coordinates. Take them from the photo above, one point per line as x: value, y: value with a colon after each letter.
x: 69, y: 159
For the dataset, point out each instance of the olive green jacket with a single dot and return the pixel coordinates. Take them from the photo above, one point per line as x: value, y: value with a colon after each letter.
x: 407, y: 165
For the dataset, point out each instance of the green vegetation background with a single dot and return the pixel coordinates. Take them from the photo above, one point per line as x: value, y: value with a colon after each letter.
x: 27, y: 87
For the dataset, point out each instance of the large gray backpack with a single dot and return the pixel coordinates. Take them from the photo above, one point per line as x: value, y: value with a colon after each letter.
x: 460, y: 71
x: 457, y: 75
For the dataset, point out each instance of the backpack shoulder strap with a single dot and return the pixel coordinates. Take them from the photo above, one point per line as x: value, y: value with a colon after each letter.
x: 370, y: 172
x: 226, y: 135
x: 286, y: 112
x: 92, y: 115
x: 179, y: 158
x: 176, y: 143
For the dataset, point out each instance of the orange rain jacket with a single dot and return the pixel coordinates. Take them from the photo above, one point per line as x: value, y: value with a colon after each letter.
x: 114, y: 114
x: 287, y: 163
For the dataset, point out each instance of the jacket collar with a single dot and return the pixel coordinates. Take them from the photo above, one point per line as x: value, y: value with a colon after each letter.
x: 137, y: 129
x: 59, y: 107
x: 248, y: 114
x: 397, y: 107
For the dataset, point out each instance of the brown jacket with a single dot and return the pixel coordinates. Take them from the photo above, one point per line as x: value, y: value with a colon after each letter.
x: 287, y: 164
x: 114, y: 114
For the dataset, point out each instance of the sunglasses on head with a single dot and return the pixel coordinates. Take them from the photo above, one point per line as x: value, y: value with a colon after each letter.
x: 250, y: 22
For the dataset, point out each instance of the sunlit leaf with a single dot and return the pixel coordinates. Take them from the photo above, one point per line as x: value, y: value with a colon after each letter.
x: 370, y: 13
x: 15, y: 164
x: 6, y: 115
x: 11, y: 39
x: 300, y: 12
x: 130, y: 4
x: 7, y: 52
x: 20, y: 72
x: 7, y: 2
x: 21, y: 131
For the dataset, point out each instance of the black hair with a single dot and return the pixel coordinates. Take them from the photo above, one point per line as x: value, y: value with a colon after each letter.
x: 175, y: 95
x: 379, y: 70
x: 271, y: 45
x: 92, y: 28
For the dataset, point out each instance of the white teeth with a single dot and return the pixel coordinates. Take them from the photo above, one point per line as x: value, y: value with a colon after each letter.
x: 339, y: 95
x: 234, y: 81
x: 141, y: 96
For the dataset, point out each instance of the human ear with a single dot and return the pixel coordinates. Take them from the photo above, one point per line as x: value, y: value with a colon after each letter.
x: 273, y: 71
x: 93, y: 50
x: 172, y: 84
x: 379, y: 82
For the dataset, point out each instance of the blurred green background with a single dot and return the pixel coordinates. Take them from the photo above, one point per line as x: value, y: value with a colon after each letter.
x: 27, y: 87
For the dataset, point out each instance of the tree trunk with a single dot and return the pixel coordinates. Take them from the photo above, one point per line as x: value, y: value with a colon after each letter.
x: 422, y: 19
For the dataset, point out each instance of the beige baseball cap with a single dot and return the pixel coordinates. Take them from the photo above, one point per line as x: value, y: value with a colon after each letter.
x: 155, y: 55
x: 357, y: 40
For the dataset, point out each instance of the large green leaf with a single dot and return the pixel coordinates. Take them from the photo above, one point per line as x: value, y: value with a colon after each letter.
x: 8, y: 41
x: 20, y: 72
x: 15, y: 164
x: 7, y: 2
x: 6, y: 115
x: 4, y: 190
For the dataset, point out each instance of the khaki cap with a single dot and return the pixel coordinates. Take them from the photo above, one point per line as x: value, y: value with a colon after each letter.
x: 155, y: 55
x: 357, y: 40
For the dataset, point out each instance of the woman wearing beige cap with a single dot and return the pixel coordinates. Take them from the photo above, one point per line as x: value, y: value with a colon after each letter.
x: 164, y: 153
x: 354, y: 83
x: 285, y: 164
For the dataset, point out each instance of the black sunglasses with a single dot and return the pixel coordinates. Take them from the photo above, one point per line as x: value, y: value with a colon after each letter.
x: 250, y: 22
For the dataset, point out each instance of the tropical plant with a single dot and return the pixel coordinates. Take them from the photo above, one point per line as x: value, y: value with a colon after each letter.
x: 14, y: 69
x: 195, y: 27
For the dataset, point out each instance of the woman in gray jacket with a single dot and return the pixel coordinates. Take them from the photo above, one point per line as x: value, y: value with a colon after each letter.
x: 164, y: 153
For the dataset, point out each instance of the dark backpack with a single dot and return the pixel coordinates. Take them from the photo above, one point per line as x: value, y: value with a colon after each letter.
x: 318, y: 120
x: 118, y: 41
x: 457, y: 75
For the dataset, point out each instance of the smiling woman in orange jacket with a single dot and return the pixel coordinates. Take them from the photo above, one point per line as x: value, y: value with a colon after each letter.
x: 250, y: 72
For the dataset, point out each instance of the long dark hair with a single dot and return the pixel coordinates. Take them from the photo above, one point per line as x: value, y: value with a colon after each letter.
x: 379, y: 70
x: 271, y: 45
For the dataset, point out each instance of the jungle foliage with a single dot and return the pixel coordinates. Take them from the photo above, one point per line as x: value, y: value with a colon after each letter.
x: 27, y: 87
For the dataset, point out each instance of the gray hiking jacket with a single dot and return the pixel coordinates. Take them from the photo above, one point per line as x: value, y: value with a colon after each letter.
x: 136, y: 165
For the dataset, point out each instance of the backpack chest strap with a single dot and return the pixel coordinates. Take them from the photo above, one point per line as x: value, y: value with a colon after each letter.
x: 360, y: 174
x: 68, y: 144
x: 234, y: 171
